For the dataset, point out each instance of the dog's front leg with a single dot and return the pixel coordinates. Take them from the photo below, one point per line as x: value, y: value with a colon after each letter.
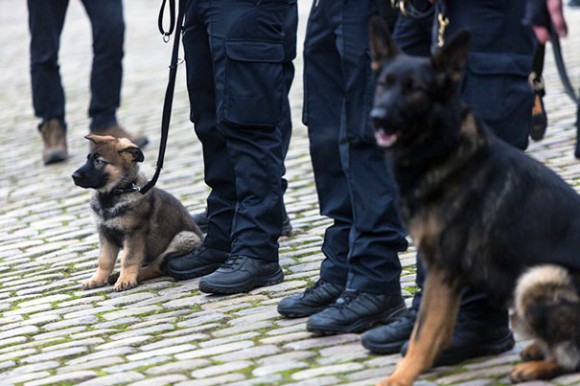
x: 106, y: 264
x: 133, y: 256
x: 433, y: 328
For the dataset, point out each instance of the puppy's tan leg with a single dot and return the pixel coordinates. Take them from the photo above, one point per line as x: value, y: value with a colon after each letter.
x: 532, y: 352
x: 432, y: 331
x: 106, y: 264
x: 131, y: 261
x: 536, y: 370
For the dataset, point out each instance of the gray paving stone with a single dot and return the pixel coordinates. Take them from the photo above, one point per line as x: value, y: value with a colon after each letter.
x: 178, y: 366
x: 277, y: 368
x: 212, y: 371
x: 109, y: 380
x: 96, y: 364
x: 215, y: 350
x: 122, y: 368
x: 119, y: 351
x: 221, y: 380
x: 57, y: 354
x: 21, y: 378
x: 161, y: 351
x: 160, y: 381
x: 74, y: 377
x: 130, y: 341
x: 325, y: 370
x: 26, y: 330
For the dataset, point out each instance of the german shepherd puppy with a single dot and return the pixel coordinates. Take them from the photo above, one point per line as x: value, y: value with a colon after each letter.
x: 480, y: 211
x: 149, y: 227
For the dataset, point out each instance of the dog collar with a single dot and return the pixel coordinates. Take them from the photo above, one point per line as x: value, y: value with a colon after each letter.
x: 130, y: 189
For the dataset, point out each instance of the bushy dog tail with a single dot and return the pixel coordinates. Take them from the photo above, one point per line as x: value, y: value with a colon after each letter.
x: 547, y: 309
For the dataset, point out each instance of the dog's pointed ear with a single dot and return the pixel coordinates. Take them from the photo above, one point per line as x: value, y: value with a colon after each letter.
x: 97, y: 139
x: 450, y: 59
x: 381, y: 43
x: 135, y: 153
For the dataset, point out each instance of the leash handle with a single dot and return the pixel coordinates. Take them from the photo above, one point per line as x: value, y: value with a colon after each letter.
x: 168, y: 103
x: 166, y: 34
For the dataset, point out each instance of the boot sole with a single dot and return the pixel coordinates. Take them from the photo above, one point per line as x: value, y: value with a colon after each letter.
x: 210, y: 288
x: 359, y: 326
x: 192, y: 274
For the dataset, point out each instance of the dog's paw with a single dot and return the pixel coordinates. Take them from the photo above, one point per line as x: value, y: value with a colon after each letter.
x: 92, y: 283
x: 125, y: 283
x: 530, y: 371
x: 532, y: 352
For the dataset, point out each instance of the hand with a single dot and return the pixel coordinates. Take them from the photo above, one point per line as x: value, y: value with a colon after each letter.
x: 557, y: 16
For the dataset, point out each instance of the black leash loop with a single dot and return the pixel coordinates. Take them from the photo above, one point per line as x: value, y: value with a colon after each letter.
x: 168, y: 103
x: 166, y: 34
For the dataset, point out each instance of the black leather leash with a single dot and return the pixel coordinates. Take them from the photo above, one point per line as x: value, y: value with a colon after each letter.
x: 565, y: 79
x: 175, y: 25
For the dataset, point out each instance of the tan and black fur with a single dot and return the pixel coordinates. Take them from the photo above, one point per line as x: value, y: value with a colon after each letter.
x: 149, y: 228
x: 480, y: 211
x: 547, y: 310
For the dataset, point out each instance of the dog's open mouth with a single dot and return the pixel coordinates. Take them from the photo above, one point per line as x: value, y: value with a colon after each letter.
x: 385, y: 139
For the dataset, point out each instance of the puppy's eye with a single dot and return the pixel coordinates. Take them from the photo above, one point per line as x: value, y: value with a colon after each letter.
x: 99, y: 162
x: 409, y: 85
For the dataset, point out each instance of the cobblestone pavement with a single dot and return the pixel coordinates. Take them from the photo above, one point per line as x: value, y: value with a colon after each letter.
x: 166, y: 332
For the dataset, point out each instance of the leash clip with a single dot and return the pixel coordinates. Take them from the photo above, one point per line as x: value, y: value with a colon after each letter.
x: 443, y: 22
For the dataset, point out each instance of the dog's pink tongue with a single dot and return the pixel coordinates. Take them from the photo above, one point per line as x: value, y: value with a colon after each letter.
x: 384, y: 139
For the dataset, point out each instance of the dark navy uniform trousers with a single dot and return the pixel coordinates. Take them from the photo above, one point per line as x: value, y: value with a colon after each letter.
x: 46, y: 19
x: 353, y: 187
x: 238, y: 56
x: 495, y: 85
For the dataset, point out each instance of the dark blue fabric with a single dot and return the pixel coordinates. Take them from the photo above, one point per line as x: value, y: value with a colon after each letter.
x: 239, y: 70
x: 361, y: 245
x: 46, y: 19
x: 495, y: 87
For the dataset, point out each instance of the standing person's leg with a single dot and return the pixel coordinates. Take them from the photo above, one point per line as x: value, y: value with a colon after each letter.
x: 218, y: 170
x: 373, y: 291
x: 246, y: 42
x: 322, y: 112
x: 108, y: 28
x: 45, y: 21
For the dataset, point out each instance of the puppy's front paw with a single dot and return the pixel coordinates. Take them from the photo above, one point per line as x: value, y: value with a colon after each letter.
x: 125, y: 282
x: 532, y: 352
x: 93, y: 283
x: 530, y: 371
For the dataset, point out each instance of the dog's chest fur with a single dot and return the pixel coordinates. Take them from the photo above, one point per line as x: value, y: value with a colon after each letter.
x: 110, y: 213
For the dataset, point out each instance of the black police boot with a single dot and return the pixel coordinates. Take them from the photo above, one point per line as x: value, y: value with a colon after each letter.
x: 198, y: 263
x: 472, y: 339
x: 355, y: 311
x: 314, y: 299
x: 390, y: 339
x: 201, y: 220
x: 241, y: 274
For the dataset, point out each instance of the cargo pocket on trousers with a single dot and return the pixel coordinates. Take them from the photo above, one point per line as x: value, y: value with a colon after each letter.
x: 254, y: 89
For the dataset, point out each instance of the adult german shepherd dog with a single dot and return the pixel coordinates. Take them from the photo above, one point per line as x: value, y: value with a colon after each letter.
x: 150, y: 228
x: 480, y: 212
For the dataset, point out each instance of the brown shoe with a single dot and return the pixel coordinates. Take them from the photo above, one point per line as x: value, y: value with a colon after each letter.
x: 118, y: 132
x: 54, y: 138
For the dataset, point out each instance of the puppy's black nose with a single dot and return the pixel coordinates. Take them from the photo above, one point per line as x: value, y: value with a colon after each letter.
x: 76, y: 175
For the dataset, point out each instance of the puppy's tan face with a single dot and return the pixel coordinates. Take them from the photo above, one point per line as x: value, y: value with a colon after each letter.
x: 110, y: 161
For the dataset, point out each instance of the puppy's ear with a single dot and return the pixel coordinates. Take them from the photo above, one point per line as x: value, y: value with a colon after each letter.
x: 134, y: 152
x: 97, y: 139
x: 450, y: 59
x: 381, y: 43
